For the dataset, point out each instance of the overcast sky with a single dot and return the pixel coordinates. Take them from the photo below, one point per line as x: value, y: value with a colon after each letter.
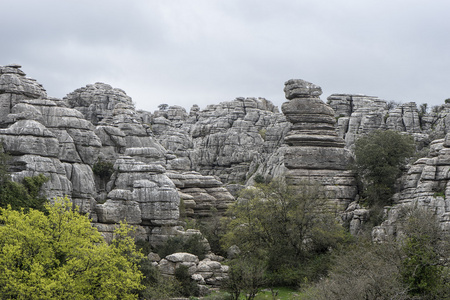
x: 185, y: 52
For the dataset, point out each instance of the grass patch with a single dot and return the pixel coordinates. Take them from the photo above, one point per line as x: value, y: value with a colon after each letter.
x: 282, y: 293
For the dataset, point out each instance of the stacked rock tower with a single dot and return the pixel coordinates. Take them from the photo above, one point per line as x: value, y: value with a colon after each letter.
x: 315, y: 153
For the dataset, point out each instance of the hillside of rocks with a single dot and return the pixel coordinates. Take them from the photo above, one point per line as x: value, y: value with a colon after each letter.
x: 194, y: 162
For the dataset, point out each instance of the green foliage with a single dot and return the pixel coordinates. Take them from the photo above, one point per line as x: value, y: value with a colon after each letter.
x: 23, y: 195
x: 188, y: 286
x: 361, y: 271
x: 193, y: 244
x: 423, y: 248
x: 262, y: 133
x: 143, y: 246
x: 380, y: 157
x: 4, y: 159
x: 447, y: 100
x: 246, y: 275
x: 20, y: 195
x: 163, y: 107
x: 103, y: 169
x: 60, y: 255
x: 259, y: 178
x: 415, y: 268
x: 156, y: 286
x: 213, y: 229
x: 285, y: 227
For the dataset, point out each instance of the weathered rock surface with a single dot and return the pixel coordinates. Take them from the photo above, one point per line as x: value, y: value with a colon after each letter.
x: 229, y: 140
x: 173, y: 157
x: 426, y: 185
x: 208, y: 272
x: 14, y: 87
x: 315, y: 152
x: 361, y: 114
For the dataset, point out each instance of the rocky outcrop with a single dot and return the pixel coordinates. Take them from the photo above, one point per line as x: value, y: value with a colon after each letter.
x: 229, y: 140
x: 174, y: 159
x: 208, y: 273
x: 315, y: 152
x: 97, y: 101
x: 426, y: 185
x: 360, y: 114
x: 14, y: 87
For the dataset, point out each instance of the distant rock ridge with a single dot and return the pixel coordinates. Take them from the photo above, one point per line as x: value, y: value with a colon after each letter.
x: 173, y: 160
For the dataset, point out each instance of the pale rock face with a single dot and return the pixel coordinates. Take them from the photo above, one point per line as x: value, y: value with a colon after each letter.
x: 97, y: 101
x: 152, y: 200
x: 207, y: 273
x: 14, y: 87
x: 426, y: 185
x: 315, y: 152
x: 229, y: 140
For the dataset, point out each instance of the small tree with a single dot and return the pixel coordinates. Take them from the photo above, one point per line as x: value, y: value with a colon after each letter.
x: 163, y: 107
x: 284, y: 226
x: 414, y: 267
x: 60, y: 255
x: 380, y: 157
x: 246, y: 275
x: 426, y: 251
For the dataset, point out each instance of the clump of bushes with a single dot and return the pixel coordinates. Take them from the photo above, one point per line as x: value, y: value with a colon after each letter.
x: 193, y: 244
x: 103, y: 169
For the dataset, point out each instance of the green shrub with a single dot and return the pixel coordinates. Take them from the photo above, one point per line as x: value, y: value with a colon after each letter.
x: 103, y: 169
x: 188, y: 286
x: 23, y: 195
x: 380, y: 158
x: 155, y: 285
x: 193, y: 245
x: 259, y: 178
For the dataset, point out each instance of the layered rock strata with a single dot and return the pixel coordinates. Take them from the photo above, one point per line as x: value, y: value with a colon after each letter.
x: 229, y: 140
x: 207, y: 273
x: 426, y: 185
x: 315, y: 152
x: 360, y: 114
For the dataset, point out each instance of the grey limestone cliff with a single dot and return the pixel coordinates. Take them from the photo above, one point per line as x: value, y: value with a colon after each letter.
x: 174, y: 161
x: 315, y: 152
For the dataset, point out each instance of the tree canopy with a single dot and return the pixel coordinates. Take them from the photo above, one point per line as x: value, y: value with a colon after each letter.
x: 286, y: 227
x: 379, y: 158
x: 60, y: 255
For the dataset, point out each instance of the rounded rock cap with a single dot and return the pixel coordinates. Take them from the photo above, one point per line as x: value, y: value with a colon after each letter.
x: 298, y: 88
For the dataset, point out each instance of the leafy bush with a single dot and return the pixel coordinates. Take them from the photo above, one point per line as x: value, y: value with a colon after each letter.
x: 380, y: 157
x: 23, y: 195
x: 103, y: 169
x: 246, y: 274
x: 59, y: 255
x: 20, y: 195
x: 414, y: 268
x: 155, y: 285
x: 285, y: 227
x: 188, y: 286
x: 259, y: 178
x: 193, y: 244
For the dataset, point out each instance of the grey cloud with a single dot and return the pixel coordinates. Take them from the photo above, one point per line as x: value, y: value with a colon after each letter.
x: 205, y: 51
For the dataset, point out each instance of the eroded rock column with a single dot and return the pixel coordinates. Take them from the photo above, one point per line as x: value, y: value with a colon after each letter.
x: 315, y: 152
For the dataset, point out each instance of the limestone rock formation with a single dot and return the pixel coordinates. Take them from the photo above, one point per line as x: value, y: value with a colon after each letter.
x: 14, y: 87
x: 194, y: 161
x: 208, y: 273
x: 97, y: 101
x: 360, y: 114
x: 229, y: 140
x: 426, y: 185
x: 315, y: 152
